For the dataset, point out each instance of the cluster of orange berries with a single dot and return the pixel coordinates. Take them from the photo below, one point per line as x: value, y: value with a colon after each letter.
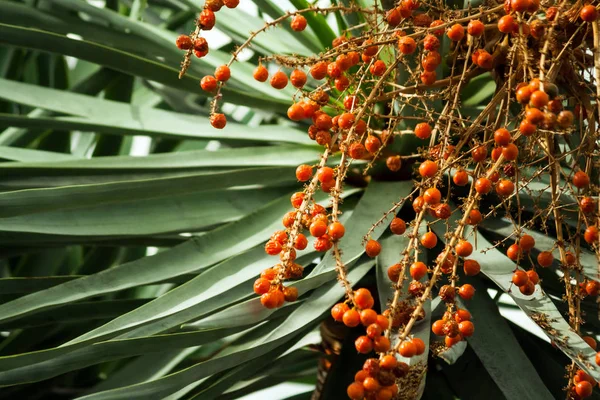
x: 285, y: 243
x: 377, y: 379
x: 205, y: 22
x: 362, y: 313
x: 583, y: 384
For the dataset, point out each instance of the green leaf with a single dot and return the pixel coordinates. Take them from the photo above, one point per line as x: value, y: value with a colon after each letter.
x: 194, y: 255
x: 178, y: 213
x: 499, y: 350
x: 305, y: 315
x: 499, y: 268
x: 114, y: 117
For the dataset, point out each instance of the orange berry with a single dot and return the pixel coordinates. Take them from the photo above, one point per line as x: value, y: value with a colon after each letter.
x: 372, y: 144
x: 418, y: 204
x: 218, y: 121
x: 338, y: 311
x: 356, y: 151
x: 393, y: 272
x: 406, y: 45
x: 438, y: 327
x: 502, y: 137
x: 590, y: 341
x: 418, y: 270
x: 398, y: 226
x: 526, y: 243
x: 420, y: 345
x: 483, y: 185
x: 269, y: 300
x: 519, y: 5
x: 423, y: 130
x: 298, y: 23
x: 588, y: 205
x: 463, y: 248
x: 432, y: 196
x: 479, y: 153
x: 268, y: 274
x: 356, y: 391
x: 261, y: 286
x: 336, y: 230
x: 466, y: 328
x: 471, y: 267
x: 545, y: 259
x: 526, y: 128
x: 584, y: 388
x: 363, y: 345
x: 346, y: 120
x: 430, y: 43
x: 533, y: 277
x: 368, y: 317
x: 475, y: 28
x: 207, y: 19
x: 520, y: 278
x: 388, y: 362
x: 378, y: 68
x: 301, y: 242
x: 231, y: 3
x: 393, y: 17
x: 460, y: 178
x: 428, y: 169
x: 319, y: 70
x: 534, y: 115
x: 382, y: 321
x: 208, y: 83
x: 456, y: 32
x: 581, y: 180
x: 588, y: 13
x: 371, y: 384
x: 523, y: 94
x: 451, y: 341
x: 475, y: 217
x: 222, y: 73
x: 591, y: 235
x: 184, y: 42
x: 514, y: 252
x: 381, y: 344
x: 360, y: 376
x: 297, y: 199
x: 298, y: 78
x: 510, y: 152
x: 429, y: 240
x: 539, y: 99
x: 290, y: 293
x: 428, y: 77
x: 485, y: 60
x: 261, y: 74
x: 466, y: 292
x: 507, y: 24
x: 407, y: 349
x: 296, y: 112
x: 318, y: 228
x: 303, y: 172
x: 363, y: 299
x: 325, y: 174
x: 372, y: 248
x: 505, y: 188
x: 462, y: 315
x: 351, y: 318
x: 279, y: 80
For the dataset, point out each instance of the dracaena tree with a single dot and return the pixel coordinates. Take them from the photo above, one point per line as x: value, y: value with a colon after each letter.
x: 344, y: 194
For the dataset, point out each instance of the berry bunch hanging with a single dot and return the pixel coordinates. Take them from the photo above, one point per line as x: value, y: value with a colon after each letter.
x: 355, y: 99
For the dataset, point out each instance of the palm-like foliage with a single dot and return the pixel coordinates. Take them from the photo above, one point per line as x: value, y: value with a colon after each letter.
x: 128, y: 277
